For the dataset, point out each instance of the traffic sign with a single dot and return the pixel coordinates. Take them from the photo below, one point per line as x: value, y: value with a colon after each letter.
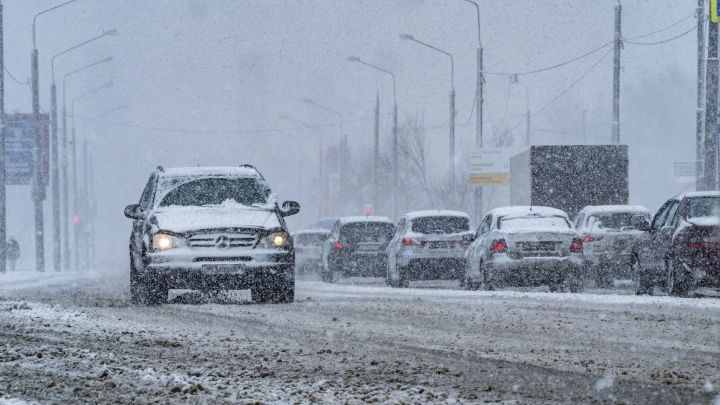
x: 19, y: 144
x: 714, y: 17
x: 688, y: 169
x: 490, y: 167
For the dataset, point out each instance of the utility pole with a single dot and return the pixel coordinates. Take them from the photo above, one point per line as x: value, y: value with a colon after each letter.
x: 700, y: 111
x: 321, y: 186
x: 85, y: 224
x: 584, y: 128
x: 616, y: 76
x: 55, y: 178
x: 376, y: 168
x: 3, y: 198
x: 38, y: 187
x: 711, y: 108
x: 452, y: 136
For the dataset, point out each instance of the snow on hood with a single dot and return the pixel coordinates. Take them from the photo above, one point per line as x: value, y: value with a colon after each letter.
x: 226, y: 215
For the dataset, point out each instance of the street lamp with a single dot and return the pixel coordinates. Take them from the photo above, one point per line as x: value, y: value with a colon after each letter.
x: 54, y: 148
x: 343, y: 145
x: 65, y: 187
x: 452, y: 101
x: 38, y: 188
x: 76, y: 200
x: 322, y: 148
x: 394, y: 131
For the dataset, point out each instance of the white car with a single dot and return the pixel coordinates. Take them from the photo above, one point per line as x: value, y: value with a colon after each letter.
x: 609, y: 233
x: 428, y: 245
x: 308, y: 249
x: 524, y: 246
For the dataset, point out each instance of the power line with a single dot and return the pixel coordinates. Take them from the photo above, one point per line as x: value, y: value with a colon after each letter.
x: 550, y: 67
x: 663, y: 41
x: 662, y: 29
x: 13, y: 77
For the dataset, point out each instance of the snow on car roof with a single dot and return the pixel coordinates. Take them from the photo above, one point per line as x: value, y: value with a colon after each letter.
x: 347, y: 220
x: 702, y: 194
x: 614, y: 208
x: 211, y: 171
x: 527, y: 210
x: 435, y: 213
x: 308, y: 231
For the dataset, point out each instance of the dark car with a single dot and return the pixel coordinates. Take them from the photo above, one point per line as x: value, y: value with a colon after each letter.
x: 680, y: 250
x: 210, y: 228
x: 356, y: 247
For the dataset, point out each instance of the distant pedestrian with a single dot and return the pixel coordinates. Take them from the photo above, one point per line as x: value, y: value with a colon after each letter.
x: 12, y: 253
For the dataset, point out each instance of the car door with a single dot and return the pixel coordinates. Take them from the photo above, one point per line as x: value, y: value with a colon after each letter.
x: 479, y: 244
x: 396, y: 242
x: 138, y: 228
x: 663, y: 240
x: 327, y: 246
x: 647, y: 246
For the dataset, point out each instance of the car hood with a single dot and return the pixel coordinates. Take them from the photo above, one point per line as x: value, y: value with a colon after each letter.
x: 184, y: 219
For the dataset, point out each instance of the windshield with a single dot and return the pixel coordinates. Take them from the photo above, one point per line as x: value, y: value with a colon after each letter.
x: 704, y: 207
x: 429, y: 225
x: 214, y: 191
x: 614, y: 220
x: 530, y: 223
x: 367, y: 232
x: 311, y: 238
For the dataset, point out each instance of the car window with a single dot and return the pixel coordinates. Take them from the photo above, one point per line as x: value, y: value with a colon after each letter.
x: 704, y: 207
x: 440, y: 225
x: 661, y: 215
x: 357, y: 232
x: 485, y: 227
x: 579, y: 221
x: 613, y: 221
x: 533, y: 222
x: 147, y: 193
x: 401, y: 226
x: 215, y: 191
x: 671, y: 213
x: 316, y: 239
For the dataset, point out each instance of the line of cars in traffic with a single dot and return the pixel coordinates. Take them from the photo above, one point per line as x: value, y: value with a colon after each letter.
x: 677, y: 249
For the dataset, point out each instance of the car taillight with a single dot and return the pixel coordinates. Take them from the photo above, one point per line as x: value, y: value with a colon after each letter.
x: 590, y: 238
x: 697, y: 243
x: 298, y: 250
x: 499, y: 246
x: 412, y: 242
x: 577, y: 245
x: 338, y: 245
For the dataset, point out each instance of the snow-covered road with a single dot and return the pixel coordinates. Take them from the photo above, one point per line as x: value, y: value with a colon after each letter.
x: 73, y: 338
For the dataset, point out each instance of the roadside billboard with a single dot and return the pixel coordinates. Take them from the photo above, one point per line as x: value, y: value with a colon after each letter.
x: 19, y: 143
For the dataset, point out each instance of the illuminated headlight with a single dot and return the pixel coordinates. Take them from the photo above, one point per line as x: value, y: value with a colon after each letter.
x: 275, y: 240
x: 163, y: 241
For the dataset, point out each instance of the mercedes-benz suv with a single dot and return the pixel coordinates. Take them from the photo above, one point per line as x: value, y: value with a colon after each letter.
x: 210, y: 228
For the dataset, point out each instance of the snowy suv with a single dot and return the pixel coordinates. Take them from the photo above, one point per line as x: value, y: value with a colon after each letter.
x: 210, y: 228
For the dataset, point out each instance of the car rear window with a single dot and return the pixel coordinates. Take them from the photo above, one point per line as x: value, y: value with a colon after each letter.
x: 367, y: 232
x: 613, y: 220
x: 212, y: 191
x: 311, y: 238
x: 533, y: 222
x: 439, y: 225
x: 704, y: 207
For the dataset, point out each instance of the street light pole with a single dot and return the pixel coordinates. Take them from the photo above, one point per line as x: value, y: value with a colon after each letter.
x: 452, y: 101
x: 3, y: 197
x: 76, y: 200
x: 54, y: 147
x: 394, y: 131
x: 64, y: 158
x: 38, y: 186
x: 343, y: 146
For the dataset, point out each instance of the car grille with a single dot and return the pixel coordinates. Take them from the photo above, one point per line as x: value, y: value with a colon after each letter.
x: 222, y: 241
x: 222, y: 259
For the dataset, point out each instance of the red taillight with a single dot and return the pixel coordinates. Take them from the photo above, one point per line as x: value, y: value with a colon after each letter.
x: 577, y: 245
x: 412, y: 242
x: 499, y: 246
x: 590, y: 238
x: 338, y: 245
x: 298, y: 250
x: 697, y: 243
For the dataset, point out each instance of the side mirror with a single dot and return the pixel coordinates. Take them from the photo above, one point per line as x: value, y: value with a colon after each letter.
x: 134, y: 211
x: 289, y: 208
x: 640, y: 223
x: 468, y: 237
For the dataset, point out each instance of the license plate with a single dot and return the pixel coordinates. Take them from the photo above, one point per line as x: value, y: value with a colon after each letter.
x: 538, y: 246
x: 442, y: 245
x: 223, y: 269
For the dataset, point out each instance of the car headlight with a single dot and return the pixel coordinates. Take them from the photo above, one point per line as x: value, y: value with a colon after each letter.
x: 164, y: 241
x: 276, y: 240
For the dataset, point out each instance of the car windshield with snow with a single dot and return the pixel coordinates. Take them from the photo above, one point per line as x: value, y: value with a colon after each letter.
x: 524, y: 246
x: 210, y: 229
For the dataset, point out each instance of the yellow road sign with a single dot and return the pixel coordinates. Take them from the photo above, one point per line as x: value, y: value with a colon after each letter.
x: 714, y: 17
x: 490, y: 179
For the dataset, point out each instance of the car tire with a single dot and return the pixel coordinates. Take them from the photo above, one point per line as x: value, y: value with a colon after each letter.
x: 603, y: 278
x: 676, y: 286
x: 640, y: 278
x: 273, y: 290
x: 145, y: 288
x: 466, y: 282
x: 488, y: 284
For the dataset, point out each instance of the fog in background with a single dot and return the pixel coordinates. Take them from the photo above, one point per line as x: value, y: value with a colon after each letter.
x: 206, y: 81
